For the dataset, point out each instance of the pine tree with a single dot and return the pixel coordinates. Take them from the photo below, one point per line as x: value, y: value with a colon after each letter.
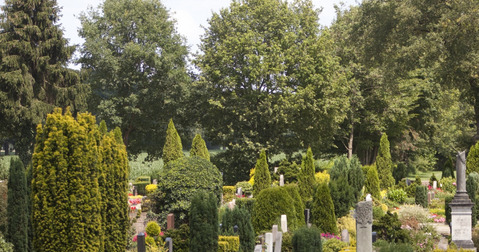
x: 33, y: 73
x: 323, y: 210
x: 66, y: 206
x: 372, y: 183
x: 306, y: 178
x: 203, y: 223
x: 472, y: 160
x: 342, y: 195
x: 173, y: 148
x: 198, y: 148
x: 262, y: 178
x: 384, y: 163
x: 17, y: 208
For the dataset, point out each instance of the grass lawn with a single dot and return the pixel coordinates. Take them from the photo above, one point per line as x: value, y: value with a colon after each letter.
x: 426, y: 175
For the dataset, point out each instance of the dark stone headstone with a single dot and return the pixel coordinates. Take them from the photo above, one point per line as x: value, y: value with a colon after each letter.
x: 140, y: 239
x: 375, y: 236
x: 169, y: 244
x: 170, y: 221
x: 306, y: 215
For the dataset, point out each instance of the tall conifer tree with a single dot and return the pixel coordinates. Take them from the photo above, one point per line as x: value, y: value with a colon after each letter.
x: 173, y: 148
x: 262, y: 178
x: 384, y: 164
x: 33, y: 74
x: 323, y: 210
x: 17, y: 208
x: 198, y: 148
x: 306, y: 178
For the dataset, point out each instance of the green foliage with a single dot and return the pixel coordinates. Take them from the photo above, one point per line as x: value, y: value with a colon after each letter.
x: 472, y: 160
x: 448, y: 169
x: 198, y: 148
x: 448, y: 184
x: 307, y: 239
x: 246, y: 204
x: 262, y: 178
x: 268, y: 207
x: 384, y: 163
x: 471, y: 188
x: 306, y: 181
x: 33, y: 72
x: 393, y: 247
x: 342, y: 195
x: 132, y: 82
x: 371, y: 184
x: 246, y: 187
x: 447, y: 208
x: 203, y: 222
x: 333, y: 245
x: 400, y: 171
x: 432, y: 179
x: 223, y: 246
x: 397, y: 195
x: 228, y: 193
x: 322, y: 211
x: 180, y: 237
x: 17, y: 207
x: 388, y: 228
x: 297, y: 202
x: 5, y: 246
x: 235, y: 163
x: 141, y: 166
x: 3, y: 168
x: 178, y: 183
x: 172, y: 150
x: 152, y: 228
x: 241, y: 218
x: 232, y: 241
x: 3, y: 206
x: 421, y: 196
x: 140, y: 187
x: 150, y: 241
x: 290, y: 171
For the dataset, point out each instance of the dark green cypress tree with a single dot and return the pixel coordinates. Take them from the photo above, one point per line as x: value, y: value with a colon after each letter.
x: 33, y: 74
x: 306, y: 179
x: 384, y: 164
x: 342, y: 195
x: 297, y: 202
x: 448, y: 169
x: 356, y: 177
x: 198, y: 148
x: 262, y: 178
x: 322, y: 212
x: 471, y: 188
x: 421, y: 196
x: 203, y: 223
x: 399, y: 172
x: 241, y: 218
x: 307, y: 239
x: 17, y: 208
x: 372, y: 183
x: 173, y: 149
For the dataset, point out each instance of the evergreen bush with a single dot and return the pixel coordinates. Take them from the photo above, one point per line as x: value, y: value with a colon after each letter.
x: 306, y: 179
x: 203, y: 222
x: 153, y: 229
x: 246, y: 187
x: 17, y: 207
x: 342, y: 195
x: 448, y: 169
x: 397, y: 195
x: 322, y: 211
x: 372, y: 183
x: 232, y: 241
x: 307, y: 240
x: 262, y: 178
x: 228, y: 193
x: 297, y: 202
x: 173, y: 149
x: 246, y: 204
x: 400, y: 172
x: 198, y: 148
x: 384, y: 163
x: 471, y: 188
x: 421, y: 196
x: 180, y: 237
x: 472, y: 160
x: 447, y: 208
x: 388, y: 228
x: 177, y: 184
x: 333, y: 244
x: 268, y: 207
x: 290, y: 171
x: 432, y: 179
x: 241, y: 218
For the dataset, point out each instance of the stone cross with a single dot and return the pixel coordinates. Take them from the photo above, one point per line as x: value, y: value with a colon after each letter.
x: 269, y: 242
x: 170, y: 221
x: 281, y: 180
x: 284, y: 223
x: 364, y: 225
x: 278, y: 242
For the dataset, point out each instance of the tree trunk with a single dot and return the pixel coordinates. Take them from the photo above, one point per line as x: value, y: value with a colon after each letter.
x: 350, y: 143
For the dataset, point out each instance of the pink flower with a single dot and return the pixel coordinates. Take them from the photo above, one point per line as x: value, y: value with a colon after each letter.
x: 161, y: 233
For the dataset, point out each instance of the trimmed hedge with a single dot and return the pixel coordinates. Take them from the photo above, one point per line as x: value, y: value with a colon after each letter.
x: 232, y: 241
x: 270, y: 204
x: 228, y: 193
x: 203, y: 222
x: 242, y: 219
x: 307, y: 240
x: 223, y: 246
x: 141, y: 183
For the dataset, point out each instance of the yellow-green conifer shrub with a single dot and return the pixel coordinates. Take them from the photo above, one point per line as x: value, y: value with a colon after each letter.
x: 262, y: 178
x: 66, y: 209
x: 472, y: 160
x: 173, y: 149
x: 198, y: 148
x: 384, y: 163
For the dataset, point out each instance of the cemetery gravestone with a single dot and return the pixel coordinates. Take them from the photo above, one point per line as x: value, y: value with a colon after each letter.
x: 258, y: 248
x: 461, y: 208
x: 275, y: 232
x: 345, y: 236
x: 141, y: 242
x: 269, y: 242
x: 364, y: 221
x: 284, y: 223
x: 281, y: 180
x: 170, y: 221
x: 239, y: 192
x: 306, y: 215
x: 434, y: 185
x: 278, y: 242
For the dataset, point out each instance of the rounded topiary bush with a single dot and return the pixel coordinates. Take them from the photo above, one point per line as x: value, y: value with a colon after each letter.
x: 307, y: 240
x: 268, y: 207
x: 179, y: 181
x: 152, y: 228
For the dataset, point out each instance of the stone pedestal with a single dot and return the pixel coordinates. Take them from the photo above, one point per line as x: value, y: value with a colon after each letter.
x: 364, y: 226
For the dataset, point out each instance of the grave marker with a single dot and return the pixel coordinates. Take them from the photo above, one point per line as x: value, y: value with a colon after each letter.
x: 364, y: 221
x: 269, y: 242
x: 170, y: 221
x: 284, y: 223
x: 278, y: 242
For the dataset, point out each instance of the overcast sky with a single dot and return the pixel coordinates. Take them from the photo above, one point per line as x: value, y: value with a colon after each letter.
x: 189, y: 14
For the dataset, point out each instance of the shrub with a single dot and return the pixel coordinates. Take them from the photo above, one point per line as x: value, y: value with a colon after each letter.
x: 233, y: 243
x: 372, y: 182
x: 235, y: 163
x: 180, y: 237
x: 412, y: 215
x: 179, y: 182
x: 297, y: 202
x: 333, y: 245
x: 322, y: 177
x: 151, y: 188
x: 421, y: 196
x: 150, y: 241
x: 262, y: 178
x: 322, y: 212
x: 17, y: 206
x: 423, y: 239
x: 141, y: 183
x: 471, y: 188
x: 223, y: 246
x: 384, y: 163
x: 246, y: 187
x: 153, y: 229
x: 204, y: 222
x: 400, y: 172
x: 448, y: 169
x: 228, y: 193
x: 395, y: 247
x: 432, y: 179
x: 242, y: 219
x: 397, y: 195
x: 289, y: 170
x: 448, y: 200
x: 307, y: 240
x: 447, y: 185
x: 388, y: 228
x: 5, y: 246
x: 198, y: 148
x: 173, y: 149
x: 269, y: 205
x: 306, y: 176
x: 246, y: 204
x: 348, y: 222
x: 472, y: 160
x: 342, y: 195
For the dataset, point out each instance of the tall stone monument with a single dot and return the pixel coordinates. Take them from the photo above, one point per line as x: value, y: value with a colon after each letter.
x: 364, y: 226
x: 461, y: 208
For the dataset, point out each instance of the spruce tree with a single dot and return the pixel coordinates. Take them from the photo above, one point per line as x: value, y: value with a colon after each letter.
x: 198, y: 148
x: 372, y: 183
x: 262, y: 178
x: 322, y: 212
x: 342, y: 195
x: 17, y: 208
x: 203, y: 222
x: 472, y: 160
x: 384, y: 164
x: 33, y: 73
x: 306, y: 179
x: 66, y: 208
x: 173, y: 148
